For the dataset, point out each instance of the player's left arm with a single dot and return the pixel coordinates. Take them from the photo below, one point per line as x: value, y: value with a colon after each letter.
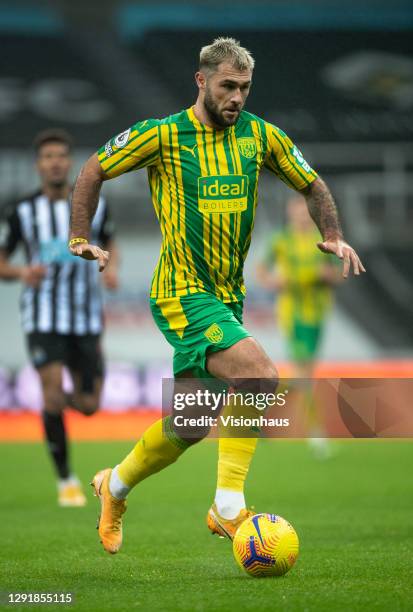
x: 324, y: 213
x: 285, y: 160
x: 85, y: 200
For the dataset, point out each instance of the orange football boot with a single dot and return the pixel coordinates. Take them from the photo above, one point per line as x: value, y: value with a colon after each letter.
x: 226, y: 528
x: 111, y: 510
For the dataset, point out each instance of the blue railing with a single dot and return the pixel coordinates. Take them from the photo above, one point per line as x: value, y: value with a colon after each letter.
x: 31, y: 20
x: 134, y: 20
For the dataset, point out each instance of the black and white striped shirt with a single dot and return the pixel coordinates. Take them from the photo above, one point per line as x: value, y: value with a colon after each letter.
x: 68, y: 299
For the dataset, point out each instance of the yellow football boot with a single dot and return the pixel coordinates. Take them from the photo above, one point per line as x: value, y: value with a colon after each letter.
x: 226, y: 528
x: 111, y: 510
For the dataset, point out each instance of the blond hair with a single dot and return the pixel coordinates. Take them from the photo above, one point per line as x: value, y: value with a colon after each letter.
x: 225, y: 50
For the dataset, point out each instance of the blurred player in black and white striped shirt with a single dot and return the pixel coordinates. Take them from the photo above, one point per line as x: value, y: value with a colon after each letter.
x: 61, y: 304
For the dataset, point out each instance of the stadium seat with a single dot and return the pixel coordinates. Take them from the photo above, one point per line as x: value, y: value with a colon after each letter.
x: 122, y: 389
x: 27, y: 390
x: 152, y: 385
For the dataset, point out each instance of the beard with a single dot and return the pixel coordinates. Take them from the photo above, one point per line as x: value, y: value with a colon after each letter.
x: 215, y: 114
x: 57, y: 183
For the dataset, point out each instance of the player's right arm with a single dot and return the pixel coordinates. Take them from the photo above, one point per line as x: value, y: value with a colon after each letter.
x: 10, y: 237
x: 84, y: 203
x: 134, y: 148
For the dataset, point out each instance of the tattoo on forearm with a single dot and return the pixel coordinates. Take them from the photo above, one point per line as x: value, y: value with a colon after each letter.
x: 84, y: 203
x: 323, y: 210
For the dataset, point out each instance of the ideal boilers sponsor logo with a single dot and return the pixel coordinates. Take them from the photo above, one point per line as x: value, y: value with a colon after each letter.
x: 223, y: 193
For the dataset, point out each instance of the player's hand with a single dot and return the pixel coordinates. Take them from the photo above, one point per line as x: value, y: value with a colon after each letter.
x: 345, y: 252
x: 110, y: 278
x: 32, y: 275
x: 91, y: 252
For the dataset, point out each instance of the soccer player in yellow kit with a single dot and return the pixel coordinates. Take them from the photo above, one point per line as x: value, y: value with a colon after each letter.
x: 303, y: 278
x: 203, y: 165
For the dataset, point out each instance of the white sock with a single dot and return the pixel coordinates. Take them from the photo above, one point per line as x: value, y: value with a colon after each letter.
x: 62, y: 483
x: 117, y: 487
x: 229, y: 503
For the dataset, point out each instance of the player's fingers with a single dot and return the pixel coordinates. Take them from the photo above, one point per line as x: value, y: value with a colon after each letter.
x: 103, y: 259
x: 95, y: 251
x: 362, y: 268
x: 323, y: 246
x: 346, y: 264
x: 355, y: 263
x: 76, y: 250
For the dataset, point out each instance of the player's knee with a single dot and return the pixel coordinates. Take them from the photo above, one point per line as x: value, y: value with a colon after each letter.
x: 269, y: 382
x: 194, y: 440
x: 266, y: 383
x: 190, y: 435
x: 53, y: 401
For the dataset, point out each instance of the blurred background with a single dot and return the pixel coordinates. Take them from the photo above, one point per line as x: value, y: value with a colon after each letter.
x: 338, y: 80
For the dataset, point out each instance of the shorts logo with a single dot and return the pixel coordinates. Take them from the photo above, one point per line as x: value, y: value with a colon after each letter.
x: 299, y: 158
x: 108, y: 149
x: 121, y: 139
x: 214, y: 333
x: 223, y: 193
x: 247, y: 147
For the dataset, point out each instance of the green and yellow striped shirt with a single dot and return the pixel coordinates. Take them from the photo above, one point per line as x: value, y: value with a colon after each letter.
x: 204, y: 189
x: 305, y: 299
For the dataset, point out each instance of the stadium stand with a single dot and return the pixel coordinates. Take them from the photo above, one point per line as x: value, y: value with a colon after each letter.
x: 340, y: 87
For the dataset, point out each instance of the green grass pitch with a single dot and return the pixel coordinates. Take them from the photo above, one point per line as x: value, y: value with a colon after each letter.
x: 353, y: 515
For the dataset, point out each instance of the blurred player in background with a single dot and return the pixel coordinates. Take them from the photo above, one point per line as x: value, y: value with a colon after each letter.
x: 303, y: 279
x: 203, y: 167
x: 61, y: 304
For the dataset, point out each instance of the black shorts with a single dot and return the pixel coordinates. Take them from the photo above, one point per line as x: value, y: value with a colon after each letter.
x: 81, y: 354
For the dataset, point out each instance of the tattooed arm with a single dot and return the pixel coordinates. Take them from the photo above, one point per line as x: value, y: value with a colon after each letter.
x: 84, y: 203
x: 323, y: 211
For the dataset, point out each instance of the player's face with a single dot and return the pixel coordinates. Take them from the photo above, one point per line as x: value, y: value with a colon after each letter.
x: 53, y: 164
x: 225, y: 93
